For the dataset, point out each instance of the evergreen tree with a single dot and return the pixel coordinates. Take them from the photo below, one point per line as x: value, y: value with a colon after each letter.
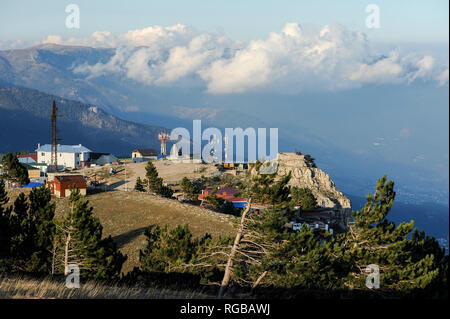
x: 215, y: 201
x: 266, y: 189
x: 41, y: 230
x: 81, y: 243
x: 170, y: 249
x: 155, y: 183
x: 26, y: 243
x: 301, y: 262
x: 189, y: 189
x: 23, y: 237
x: 5, y: 230
x: 14, y: 171
x: 304, y: 197
x: 310, y: 160
x: 404, y: 264
x: 153, y: 180
x: 139, y: 186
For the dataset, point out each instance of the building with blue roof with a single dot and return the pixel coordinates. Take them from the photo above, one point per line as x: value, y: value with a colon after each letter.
x: 67, y: 155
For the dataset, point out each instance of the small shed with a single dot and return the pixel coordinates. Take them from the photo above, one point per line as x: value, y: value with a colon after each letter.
x: 33, y: 172
x: 61, y: 184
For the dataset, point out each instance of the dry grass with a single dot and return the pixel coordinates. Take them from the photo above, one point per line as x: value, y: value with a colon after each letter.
x: 125, y: 216
x: 24, y: 288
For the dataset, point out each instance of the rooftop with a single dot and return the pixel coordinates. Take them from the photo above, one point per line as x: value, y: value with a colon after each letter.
x: 146, y: 152
x: 70, y: 179
x: 64, y: 148
x: 225, y: 193
x: 33, y: 156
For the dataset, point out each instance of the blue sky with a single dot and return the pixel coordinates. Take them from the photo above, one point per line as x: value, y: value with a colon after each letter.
x: 401, y: 21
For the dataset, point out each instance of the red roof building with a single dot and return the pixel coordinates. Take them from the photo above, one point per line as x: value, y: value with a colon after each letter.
x: 28, y: 158
x: 227, y: 194
x: 60, y: 185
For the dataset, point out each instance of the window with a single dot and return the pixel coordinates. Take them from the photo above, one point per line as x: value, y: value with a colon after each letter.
x: 42, y: 154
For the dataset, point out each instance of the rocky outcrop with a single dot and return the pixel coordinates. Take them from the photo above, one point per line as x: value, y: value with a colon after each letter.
x: 304, y: 174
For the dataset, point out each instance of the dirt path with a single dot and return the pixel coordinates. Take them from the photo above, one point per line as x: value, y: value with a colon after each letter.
x: 170, y: 172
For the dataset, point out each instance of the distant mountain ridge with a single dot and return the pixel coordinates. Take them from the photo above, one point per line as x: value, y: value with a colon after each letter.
x: 25, y: 121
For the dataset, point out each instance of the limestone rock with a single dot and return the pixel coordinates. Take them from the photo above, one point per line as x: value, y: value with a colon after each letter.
x: 319, y: 182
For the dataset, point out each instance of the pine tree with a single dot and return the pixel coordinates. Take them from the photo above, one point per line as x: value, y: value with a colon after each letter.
x: 404, y: 264
x: 301, y: 262
x: 310, y: 160
x: 155, y: 183
x: 215, y: 201
x: 15, y: 172
x: 26, y: 243
x: 153, y: 180
x: 266, y: 189
x: 139, y: 186
x: 169, y: 249
x: 189, y: 189
x: 80, y: 243
x: 22, y: 239
x: 5, y: 230
x: 304, y: 197
x: 42, y: 230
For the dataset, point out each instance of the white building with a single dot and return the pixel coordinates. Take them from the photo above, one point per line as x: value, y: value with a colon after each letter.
x: 67, y: 155
x: 143, y: 155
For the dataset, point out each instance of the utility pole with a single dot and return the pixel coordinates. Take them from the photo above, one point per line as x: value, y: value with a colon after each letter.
x: 126, y: 187
x: 54, y: 155
x: 54, y: 132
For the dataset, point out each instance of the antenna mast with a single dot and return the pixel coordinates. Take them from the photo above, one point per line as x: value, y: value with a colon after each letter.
x: 163, y: 137
x: 54, y: 157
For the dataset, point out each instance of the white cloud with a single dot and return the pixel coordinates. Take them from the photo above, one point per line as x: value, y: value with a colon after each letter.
x: 295, y: 60
x: 56, y: 39
x: 11, y: 44
x: 443, y: 77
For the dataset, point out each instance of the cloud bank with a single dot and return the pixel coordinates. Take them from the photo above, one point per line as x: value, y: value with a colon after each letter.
x: 294, y: 60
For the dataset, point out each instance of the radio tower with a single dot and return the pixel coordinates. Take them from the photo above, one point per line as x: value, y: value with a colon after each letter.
x: 163, y: 137
x: 225, y: 139
x: 54, y: 157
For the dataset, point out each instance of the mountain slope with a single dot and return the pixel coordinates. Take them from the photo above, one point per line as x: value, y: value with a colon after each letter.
x: 25, y: 121
x: 48, y: 68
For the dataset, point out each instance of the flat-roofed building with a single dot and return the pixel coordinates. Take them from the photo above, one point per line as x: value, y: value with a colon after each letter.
x: 67, y: 155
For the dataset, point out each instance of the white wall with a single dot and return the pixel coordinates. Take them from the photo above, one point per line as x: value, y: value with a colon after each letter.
x: 64, y: 159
